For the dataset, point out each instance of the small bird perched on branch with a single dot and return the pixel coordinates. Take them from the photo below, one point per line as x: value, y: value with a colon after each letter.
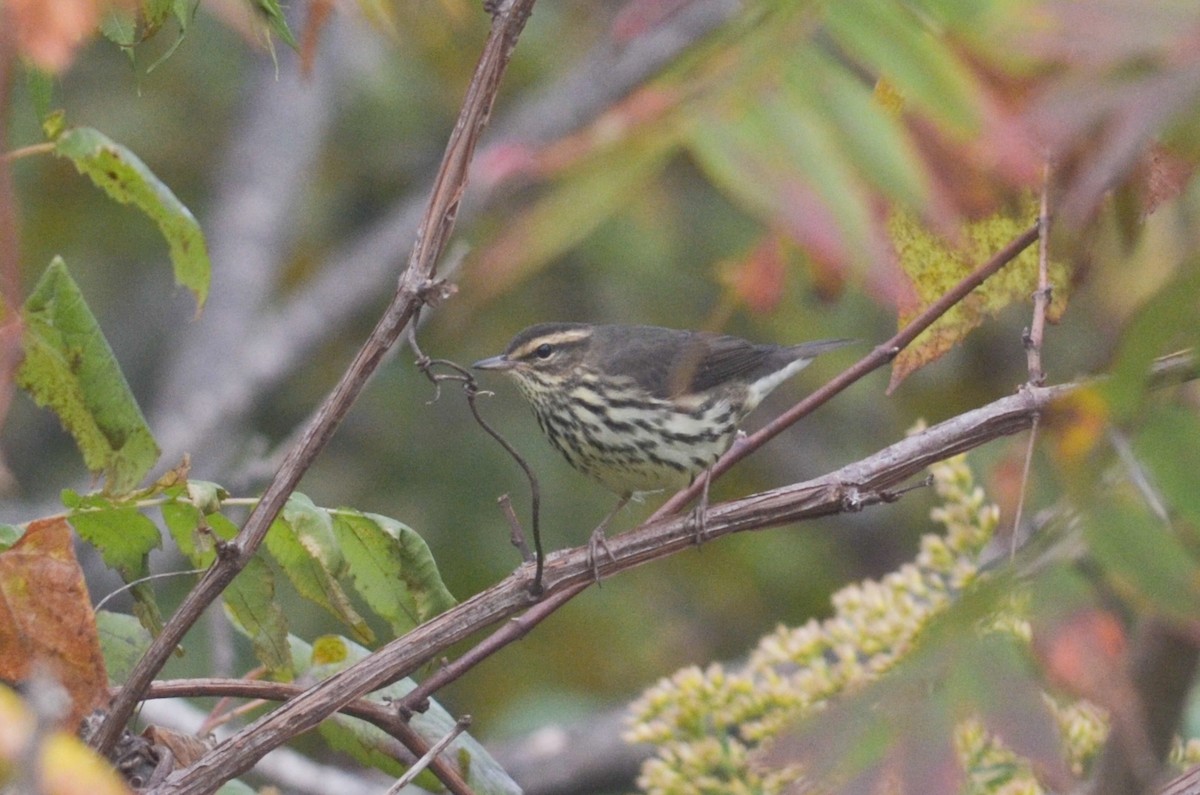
x: 643, y: 408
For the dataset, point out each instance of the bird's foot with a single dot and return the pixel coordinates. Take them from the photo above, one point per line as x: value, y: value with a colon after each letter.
x: 598, y: 544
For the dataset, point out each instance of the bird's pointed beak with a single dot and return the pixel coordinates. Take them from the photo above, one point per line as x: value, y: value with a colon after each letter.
x: 500, y: 362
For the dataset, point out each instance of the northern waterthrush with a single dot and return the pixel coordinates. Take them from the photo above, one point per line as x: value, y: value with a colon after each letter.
x: 643, y: 408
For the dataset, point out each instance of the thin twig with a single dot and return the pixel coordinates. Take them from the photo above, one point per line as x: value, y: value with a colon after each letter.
x: 419, y: 766
x: 569, y: 573
x: 472, y: 391
x: 1015, y: 533
x: 27, y: 151
x: 880, y: 356
x: 1033, y: 339
x: 1041, y: 297
x: 516, y: 533
x: 378, y: 715
x: 433, y: 232
x: 515, y: 630
x: 100, y: 605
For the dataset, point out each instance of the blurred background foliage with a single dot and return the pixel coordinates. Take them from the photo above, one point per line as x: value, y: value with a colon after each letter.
x: 742, y: 182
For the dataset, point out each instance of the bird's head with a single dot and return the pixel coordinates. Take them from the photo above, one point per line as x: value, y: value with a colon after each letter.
x: 542, y: 353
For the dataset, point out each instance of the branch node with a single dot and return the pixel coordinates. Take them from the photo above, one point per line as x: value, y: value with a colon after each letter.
x: 436, y: 291
x: 853, y: 500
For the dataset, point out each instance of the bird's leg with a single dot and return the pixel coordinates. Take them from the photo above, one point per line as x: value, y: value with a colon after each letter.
x: 701, y: 510
x: 598, y: 542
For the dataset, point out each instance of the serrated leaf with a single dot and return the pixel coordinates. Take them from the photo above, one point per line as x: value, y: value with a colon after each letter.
x: 183, y: 522
x: 371, y: 745
x: 250, y: 602
x: 392, y: 568
x: 124, y: 538
x: 302, y: 542
x: 933, y: 267
x: 122, y: 535
x: 70, y: 368
x: 123, y: 640
x: 123, y: 176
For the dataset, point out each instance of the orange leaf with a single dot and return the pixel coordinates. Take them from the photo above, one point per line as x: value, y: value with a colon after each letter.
x: 757, y: 279
x: 46, y: 616
x: 1084, y: 654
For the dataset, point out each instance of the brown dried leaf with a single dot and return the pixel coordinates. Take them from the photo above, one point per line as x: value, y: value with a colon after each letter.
x: 46, y: 616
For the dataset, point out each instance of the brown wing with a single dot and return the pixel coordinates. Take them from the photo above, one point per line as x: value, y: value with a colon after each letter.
x: 667, y: 362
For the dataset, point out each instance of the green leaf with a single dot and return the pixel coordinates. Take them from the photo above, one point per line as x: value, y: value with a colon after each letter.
x: 1140, y: 554
x: 392, y: 568
x: 205, y: 495
x: 888, y: 37
x: 124, y: 177
x: 273, y: 15
x: 119, y: 25
x: 874, y: 140
x: 1167, y: 445
x: 301, y: 540
x: 370, y: 745
x: 1165, y: 323
x: 9, y: 535
x: 123, y: 641
x: 41, y: 92
x: 70, y: 368
x: 773, y: 153
x: 123, y: 536
x: 250, y: 601
x: 183, y: 522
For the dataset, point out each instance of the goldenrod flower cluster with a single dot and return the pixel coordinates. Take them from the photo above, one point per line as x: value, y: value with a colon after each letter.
x: 708, y: 724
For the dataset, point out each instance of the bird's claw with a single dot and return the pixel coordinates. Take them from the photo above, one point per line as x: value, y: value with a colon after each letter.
x: 596, y: 543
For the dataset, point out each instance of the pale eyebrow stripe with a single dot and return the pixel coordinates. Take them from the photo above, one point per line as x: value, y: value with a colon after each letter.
x: 555, y: 338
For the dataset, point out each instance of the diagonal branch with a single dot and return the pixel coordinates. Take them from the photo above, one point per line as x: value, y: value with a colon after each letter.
x: 880, y: 356
x: 415, y: 282
x: 570, y: 572
x: 378, y: 715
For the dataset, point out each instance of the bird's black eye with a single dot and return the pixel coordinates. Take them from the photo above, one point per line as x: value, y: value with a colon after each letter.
x: 543, y: 351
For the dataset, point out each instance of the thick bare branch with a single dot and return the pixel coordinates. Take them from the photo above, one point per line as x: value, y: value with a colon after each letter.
x: 569, y: 573
x: 432, y: 234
